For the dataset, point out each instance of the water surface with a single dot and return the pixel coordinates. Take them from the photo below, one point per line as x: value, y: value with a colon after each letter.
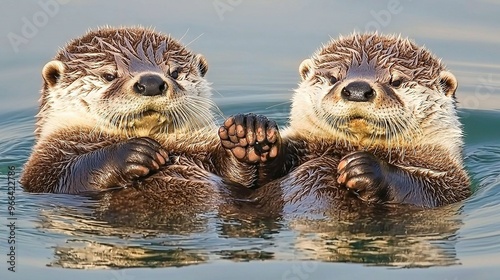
x: 254, y: 49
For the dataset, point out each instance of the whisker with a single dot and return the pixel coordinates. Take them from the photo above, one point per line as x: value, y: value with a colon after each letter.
x: 185, y: 33
x: 279, y: 104
x: 216, y: 91
x: 194, y: 40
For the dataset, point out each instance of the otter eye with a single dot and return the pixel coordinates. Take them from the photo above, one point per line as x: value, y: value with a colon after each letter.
x: 333, y: 80
x: 174, y: 74
x: 396, y: 82
x: 109, y: 77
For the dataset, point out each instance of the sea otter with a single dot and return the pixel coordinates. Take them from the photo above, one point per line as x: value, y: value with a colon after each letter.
x: 373, y: 121
x: 130, y: 107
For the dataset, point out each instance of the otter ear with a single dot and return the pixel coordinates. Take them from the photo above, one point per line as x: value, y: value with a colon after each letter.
x: 202, y: 64
x: 448, y: 82
x: 52, y: 71
x: 305, y: 68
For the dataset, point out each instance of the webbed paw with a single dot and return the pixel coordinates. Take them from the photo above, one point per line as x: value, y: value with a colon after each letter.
x: 365, y: 175
x: 138, y: 157
x: 250, y: 138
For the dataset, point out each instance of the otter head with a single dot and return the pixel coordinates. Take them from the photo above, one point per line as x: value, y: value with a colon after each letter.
x: 131, y: 81
x: 371, y: 89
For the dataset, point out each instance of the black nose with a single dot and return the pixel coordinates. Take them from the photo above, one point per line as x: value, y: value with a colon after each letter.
x: 150, y: 85
x: 358, y: 91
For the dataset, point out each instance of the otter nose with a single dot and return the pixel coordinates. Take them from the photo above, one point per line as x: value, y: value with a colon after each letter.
x: 358, y: 91
x: 150, y: 85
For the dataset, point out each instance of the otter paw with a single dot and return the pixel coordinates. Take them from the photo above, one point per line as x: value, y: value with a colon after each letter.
x: 250, y: 138
x: 138, y: 157
x: 364, y: 174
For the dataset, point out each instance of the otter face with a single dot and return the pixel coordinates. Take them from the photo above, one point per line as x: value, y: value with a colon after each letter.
x: 369, y: 89
x: 130, y: 80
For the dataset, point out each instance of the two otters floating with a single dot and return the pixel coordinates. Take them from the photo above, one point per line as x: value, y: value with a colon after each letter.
x: 373, y: 121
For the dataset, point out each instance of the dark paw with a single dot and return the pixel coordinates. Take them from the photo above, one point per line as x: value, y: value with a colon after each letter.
x: 250, y: 138
x: 363, y: 173
x: 138, y: 157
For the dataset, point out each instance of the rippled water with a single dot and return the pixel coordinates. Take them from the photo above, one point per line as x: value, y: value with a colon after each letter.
x: 254, y: 51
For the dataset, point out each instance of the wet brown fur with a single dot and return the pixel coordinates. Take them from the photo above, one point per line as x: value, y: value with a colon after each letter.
x: 412, y: 126
x: 81, y: 115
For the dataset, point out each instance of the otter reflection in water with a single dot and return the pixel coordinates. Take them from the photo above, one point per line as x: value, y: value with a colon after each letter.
x: 102, y: 232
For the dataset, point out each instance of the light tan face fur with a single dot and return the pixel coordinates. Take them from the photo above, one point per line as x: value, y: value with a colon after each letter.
x: 413, y: 102
x: 90, y: 83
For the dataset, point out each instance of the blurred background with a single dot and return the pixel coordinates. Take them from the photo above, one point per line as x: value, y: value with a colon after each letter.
x: 258, y: 43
